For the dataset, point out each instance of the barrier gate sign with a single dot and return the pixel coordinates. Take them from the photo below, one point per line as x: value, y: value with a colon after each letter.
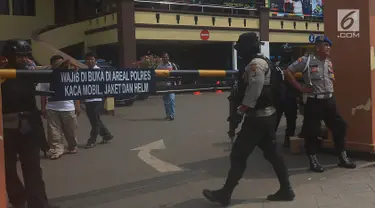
x: 96, y: 83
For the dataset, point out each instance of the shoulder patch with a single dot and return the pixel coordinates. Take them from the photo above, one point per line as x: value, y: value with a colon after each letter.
x: 253, y: 70
x: 253, y: 67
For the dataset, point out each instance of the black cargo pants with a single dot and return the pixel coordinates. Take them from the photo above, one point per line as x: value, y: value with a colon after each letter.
x: 256, y: 132
x: 317, y: 110
x: 289, y: 108
x: 27, y: 147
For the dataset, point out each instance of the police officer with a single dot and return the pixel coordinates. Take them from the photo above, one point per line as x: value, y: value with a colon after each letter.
x: 288, y: 104
x: 235, y: 99
x: 320, y: 103
x: 22, y: 132
x: 257, y: 128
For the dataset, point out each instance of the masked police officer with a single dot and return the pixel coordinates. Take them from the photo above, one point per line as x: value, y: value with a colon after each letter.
x: 318, y: 75
x: 22, y: 132
x: 235, y: 99
x: 258, y: 126
x: 288, y: 104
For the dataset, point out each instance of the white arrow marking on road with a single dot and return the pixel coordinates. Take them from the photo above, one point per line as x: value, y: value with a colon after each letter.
x: 159, y: 165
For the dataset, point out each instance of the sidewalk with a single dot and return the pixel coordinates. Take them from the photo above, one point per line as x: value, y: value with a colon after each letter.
x: 354, y: 188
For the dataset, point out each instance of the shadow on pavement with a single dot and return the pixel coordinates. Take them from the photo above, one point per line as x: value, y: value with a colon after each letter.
x: 202, y: 203
x: 123, y: 191
x: 257, y: 166
x: 144, y: 119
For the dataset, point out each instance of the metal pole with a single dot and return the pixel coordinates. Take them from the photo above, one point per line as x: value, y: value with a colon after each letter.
x: 234, y: 57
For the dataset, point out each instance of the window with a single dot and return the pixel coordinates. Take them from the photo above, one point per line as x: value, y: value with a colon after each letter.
x: 4, y: 7
x: 98, y: 6
x: 24, y: 7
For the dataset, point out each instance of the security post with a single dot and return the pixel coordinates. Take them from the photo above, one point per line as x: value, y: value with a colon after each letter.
x: 351, y: 27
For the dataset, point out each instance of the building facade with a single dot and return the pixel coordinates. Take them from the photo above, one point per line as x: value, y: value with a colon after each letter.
x: 117, y: 29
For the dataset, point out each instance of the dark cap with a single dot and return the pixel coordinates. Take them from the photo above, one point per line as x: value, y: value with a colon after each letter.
x: 323, y: 39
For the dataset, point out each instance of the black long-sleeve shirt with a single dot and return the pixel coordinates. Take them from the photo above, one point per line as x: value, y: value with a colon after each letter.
x: 18, y: 96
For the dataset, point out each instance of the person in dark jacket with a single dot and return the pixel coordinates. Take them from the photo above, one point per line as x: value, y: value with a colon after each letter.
x: 93, y: 109
x: 22, y: 132
x: 288, y: 106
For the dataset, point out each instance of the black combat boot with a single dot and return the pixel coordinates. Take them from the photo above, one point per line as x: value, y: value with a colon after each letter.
x: 285, y: 193
x: 345, y: 162
x: 282, y: 195
x: 221, y: 196
x: 286, y: 142
x: 314, y: 164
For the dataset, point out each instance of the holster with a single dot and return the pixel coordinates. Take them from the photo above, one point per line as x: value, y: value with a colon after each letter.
x: 23, y: 121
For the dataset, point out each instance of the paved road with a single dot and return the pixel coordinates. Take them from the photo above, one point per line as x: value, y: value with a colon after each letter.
x: 113, y: 175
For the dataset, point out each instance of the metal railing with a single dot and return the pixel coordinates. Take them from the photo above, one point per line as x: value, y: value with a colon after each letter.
x: 173, y: 6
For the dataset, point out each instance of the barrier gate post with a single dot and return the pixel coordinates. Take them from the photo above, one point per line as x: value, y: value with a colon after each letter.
x: 3, y: 200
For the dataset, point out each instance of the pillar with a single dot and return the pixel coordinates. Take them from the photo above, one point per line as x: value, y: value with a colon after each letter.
x: 10, y: 5
x: 264, y: 31
x: 234, y: 57
x: 352, y: 55
x: 3, y: 198
x: 126, y: 32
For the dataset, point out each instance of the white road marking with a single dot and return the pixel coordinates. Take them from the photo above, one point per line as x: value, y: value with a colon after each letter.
x: 159, y: 165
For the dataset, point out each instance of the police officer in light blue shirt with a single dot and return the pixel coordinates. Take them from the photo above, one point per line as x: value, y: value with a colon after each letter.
x: 318, y: 75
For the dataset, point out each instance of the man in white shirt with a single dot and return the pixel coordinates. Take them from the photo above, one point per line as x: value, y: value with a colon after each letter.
x: 93, y: 109
x: 169, y: 98
x: 61, y: 118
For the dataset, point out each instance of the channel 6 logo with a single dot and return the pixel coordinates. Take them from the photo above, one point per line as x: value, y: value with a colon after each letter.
x: 348, y: 23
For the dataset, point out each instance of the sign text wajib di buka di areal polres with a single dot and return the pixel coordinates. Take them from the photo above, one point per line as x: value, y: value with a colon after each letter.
x: 101, y: 83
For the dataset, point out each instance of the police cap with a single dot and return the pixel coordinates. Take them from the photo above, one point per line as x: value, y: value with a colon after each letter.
x: 16, y: 47
x: 323, y: 39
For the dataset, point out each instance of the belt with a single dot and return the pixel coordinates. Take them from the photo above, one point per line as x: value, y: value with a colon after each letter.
x: 20, y: 114
x: 12, y: 120
x: 321, y: 96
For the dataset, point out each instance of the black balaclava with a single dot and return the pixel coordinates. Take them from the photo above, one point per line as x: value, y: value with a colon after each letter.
x: 286, y: 56
x: 248, y: 46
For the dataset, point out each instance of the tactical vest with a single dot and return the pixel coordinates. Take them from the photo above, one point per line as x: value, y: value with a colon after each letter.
x: 271, y: 93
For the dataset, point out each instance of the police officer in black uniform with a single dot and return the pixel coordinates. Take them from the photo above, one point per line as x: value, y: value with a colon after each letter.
x: 318, y: 75
x: 288, y: 104
x: 22, y: 132
x: 235, y: 99
x: 258, y: 126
